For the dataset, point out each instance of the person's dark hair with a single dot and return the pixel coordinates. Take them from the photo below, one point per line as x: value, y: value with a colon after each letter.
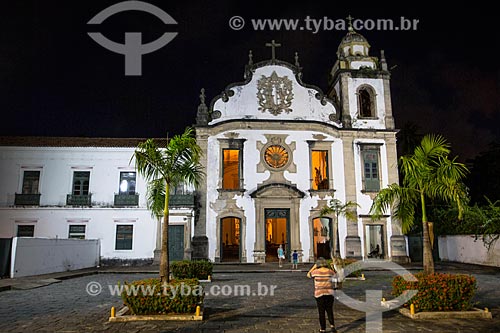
x: 321, y: 262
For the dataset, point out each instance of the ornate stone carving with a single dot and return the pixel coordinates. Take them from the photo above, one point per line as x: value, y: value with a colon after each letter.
x: 232, y: 135
x: 319, y: 137
x: 216, y: 114
x: 276, y: 156
x: 275, y: 94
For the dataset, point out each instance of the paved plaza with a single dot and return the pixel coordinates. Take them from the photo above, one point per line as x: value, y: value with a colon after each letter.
x: 67, y: 307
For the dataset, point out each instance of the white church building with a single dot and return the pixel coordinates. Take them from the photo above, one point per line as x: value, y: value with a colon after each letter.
x: 276, y: 150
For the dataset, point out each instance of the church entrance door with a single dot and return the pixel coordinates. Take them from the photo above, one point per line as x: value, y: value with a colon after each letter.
x: 231, y: 239
x: 277, y: 233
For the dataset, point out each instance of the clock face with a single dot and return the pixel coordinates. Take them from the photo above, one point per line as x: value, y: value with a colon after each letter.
x: 276, y: 156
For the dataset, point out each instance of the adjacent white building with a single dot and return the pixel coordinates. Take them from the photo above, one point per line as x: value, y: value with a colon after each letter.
x: 85, y: 188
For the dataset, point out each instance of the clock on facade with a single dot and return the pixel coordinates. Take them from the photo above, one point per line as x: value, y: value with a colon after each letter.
x: 276, y: 156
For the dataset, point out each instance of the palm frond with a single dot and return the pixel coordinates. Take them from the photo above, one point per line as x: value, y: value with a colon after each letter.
x: 385, y: 198
x: 402, y: 200
x: 432, y: 147
x: 339, y: 208
x: 156, y: 197
x: 149, y: 160
x: 176, y: 164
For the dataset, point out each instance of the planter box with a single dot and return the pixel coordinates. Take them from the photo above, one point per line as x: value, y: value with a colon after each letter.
x: 472, y: 314
x: 124, y: 315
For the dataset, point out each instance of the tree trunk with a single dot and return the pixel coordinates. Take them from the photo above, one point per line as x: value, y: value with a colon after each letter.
x: 335, y: 237
x: 164, y: 260
x: 428, y: 261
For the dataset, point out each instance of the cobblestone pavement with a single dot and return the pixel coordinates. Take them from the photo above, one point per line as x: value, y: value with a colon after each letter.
x: 67, y: 307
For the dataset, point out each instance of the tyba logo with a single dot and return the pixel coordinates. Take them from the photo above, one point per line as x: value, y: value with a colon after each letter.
x: 133, y: 49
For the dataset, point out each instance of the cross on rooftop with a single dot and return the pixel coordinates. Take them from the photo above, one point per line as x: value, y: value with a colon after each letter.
x: 273, y: 46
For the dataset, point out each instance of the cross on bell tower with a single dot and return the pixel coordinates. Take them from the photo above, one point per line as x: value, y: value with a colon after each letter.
x: 349, y: 23
x: 273, y: 45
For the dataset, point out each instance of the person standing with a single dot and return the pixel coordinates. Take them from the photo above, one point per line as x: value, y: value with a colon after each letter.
x: 323, y: 292
x: 295, y: 259
x: 281, y: 255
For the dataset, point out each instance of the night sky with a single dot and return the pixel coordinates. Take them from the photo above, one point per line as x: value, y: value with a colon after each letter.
x: 56, y: 81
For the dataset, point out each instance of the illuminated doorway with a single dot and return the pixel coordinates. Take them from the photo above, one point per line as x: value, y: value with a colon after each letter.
x: 374, y: 245
x: 276, y: 231
x: 322, y: 237
x: 230, y: 239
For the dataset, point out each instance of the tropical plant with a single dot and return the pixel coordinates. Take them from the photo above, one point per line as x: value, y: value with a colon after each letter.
x: 164, y: 168
x: 337, y: 208
x: 427, y: 174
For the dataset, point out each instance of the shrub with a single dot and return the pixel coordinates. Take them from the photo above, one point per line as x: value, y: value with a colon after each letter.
x: 438, y: 292
x: 199, y: 269
x: 149, y: 296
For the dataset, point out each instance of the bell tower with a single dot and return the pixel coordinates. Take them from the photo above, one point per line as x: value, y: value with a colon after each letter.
x: 359, y: 83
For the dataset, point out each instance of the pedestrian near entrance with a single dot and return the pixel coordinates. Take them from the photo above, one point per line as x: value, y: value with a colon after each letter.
x: 281, y: 255
x: 323, y: 292
x: 295, y: 259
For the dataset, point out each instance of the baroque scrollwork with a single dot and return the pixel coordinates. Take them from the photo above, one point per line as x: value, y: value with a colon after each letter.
x: 275, y: 94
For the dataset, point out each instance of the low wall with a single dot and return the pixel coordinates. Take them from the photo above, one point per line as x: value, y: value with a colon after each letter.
x: 35, y: 256
x: 464, y: 248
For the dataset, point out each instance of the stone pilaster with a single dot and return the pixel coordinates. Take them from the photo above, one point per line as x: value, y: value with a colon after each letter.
x: 389, y: 119
x: 352, y: 241
x: 199, y: 243
x: 393, y: 177
x: 398, y: 249
x: 344, y: 98
x: 157, y: 251
x: 398, y: 240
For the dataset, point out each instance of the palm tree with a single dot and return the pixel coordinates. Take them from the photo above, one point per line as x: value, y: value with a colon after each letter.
x: 427, y: 174
x: 337, y: 208
x: 164, y: 168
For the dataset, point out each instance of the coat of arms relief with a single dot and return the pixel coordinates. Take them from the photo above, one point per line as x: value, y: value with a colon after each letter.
x: 275, y: 94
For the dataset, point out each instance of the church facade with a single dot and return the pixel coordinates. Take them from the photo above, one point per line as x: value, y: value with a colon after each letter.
x: 277, y: 150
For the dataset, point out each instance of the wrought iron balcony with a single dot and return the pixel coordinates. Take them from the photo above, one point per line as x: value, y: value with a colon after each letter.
x: 181, y: 200
x: 79, y: 200
x: 126, y: 200
x: 27, y: 199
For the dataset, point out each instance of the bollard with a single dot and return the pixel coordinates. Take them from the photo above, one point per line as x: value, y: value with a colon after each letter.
x: 198, y: 311
x: 383, y: 299
x: 486, y: 310
x: 362, y: 276
x: 113, y: 312
x: 412, y: 309
x: 209, y: 278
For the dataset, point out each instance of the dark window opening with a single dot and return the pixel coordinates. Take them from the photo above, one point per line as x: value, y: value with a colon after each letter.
x: 81, y: 180
x: 31, y: 180
x: 365, y: 104
x: 124, y: 235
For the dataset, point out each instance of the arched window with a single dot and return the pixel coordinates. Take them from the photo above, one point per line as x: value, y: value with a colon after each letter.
x: 366, y: 103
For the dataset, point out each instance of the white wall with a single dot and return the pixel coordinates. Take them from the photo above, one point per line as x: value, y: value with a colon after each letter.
x: 57, y: 164
x: 464, y: 248
x: 378, y: 86
x: 54, y: 222
x: 53, y: 218
x: 244, y: 104
x: 35, y: 256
